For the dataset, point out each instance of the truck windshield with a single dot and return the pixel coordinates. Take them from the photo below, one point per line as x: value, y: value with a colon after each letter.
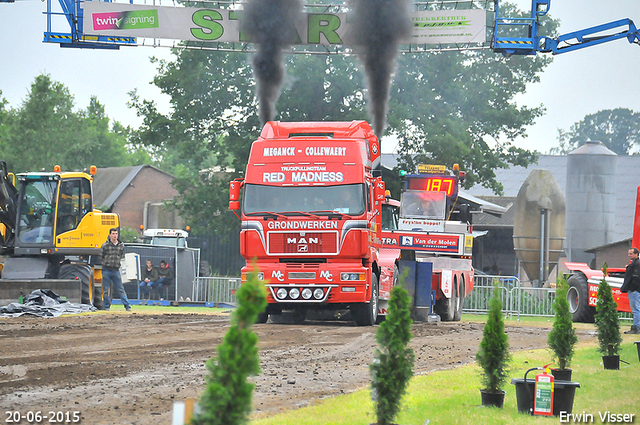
x: 167, y: 241
x: 345, y: 199
x: 389, y: 217
x: 421, y: 204
x: 37, y: 210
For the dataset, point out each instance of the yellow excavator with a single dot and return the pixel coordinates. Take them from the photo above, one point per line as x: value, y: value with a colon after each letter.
x: 51, y: 235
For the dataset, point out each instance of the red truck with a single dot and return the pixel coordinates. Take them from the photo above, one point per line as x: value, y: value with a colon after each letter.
x: 431, y: 224
x: 310, y: 207
x: 583, y: 282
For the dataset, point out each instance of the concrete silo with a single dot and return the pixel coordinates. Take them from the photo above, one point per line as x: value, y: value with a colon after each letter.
x: 539, y: 225
x: 591, y: 200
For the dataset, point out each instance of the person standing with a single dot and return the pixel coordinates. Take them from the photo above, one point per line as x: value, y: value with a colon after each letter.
x: 631, y: 286
x: 112, y: 252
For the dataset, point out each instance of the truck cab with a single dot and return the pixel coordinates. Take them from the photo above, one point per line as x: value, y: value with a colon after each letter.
x: 166, y: 237
x: 430, y: 224
x: 309, y: 210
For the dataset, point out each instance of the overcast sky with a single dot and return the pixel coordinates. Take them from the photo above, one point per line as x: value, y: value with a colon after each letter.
x: 574, y: 85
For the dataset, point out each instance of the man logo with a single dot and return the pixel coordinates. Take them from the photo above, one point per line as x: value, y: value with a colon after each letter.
x: 302, y: 240
x: 278, y: 275
x: 327, y: 275
x: 303, y: 248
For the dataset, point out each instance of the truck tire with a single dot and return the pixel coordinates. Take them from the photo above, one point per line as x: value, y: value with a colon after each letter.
x: 446, y: 307
x: 289, y: 317
x: 459, y: 302
x: 98, y: 302
x: 84, y: 273
x: 578, y: 298
x: 262, y: 318
x: 298, y: 316
x: 396, y: 282
x: 366, y: 314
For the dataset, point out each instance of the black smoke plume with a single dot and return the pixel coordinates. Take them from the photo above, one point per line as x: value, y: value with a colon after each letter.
x: 269, y: 23
x: 379, y: 27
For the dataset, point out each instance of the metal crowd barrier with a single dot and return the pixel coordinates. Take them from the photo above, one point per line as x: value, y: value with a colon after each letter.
x: 517, y: 299
x: 217, y: 290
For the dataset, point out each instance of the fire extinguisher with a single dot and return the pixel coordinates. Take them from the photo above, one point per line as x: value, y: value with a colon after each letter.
x: 543, y: 400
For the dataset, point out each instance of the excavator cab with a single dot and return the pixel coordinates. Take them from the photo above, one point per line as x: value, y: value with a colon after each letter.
x: 49, y: 205
x: 51, y: 214
x: 53, y: 235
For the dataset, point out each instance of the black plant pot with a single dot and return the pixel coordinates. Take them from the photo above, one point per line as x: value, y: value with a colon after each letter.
x: 492, y: 399
x: 564, y: 393
x: 524, y: 394
x: 611, y: 362
x: 561, y: 374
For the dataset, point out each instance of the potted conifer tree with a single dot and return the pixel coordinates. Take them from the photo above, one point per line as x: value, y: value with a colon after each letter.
x: 562, y: 337
x: 393, y: 359
x: 227, y: 397
x: 608, y: 325
x: 493, y: 354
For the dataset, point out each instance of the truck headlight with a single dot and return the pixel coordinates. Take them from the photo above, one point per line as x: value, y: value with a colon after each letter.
x: 351, y: 276
x: 306, y: 293
x: 294, y: 293
x: 318, y: 294
x: 281, y: 293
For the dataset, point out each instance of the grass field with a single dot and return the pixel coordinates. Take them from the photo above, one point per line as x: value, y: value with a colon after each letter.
x: 453, y: 396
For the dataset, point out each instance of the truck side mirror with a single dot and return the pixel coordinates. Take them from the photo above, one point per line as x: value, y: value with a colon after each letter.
x: 378, y: 190
x: 234, y: 194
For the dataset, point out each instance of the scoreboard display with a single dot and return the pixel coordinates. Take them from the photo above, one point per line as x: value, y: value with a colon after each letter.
x: 434, y: 183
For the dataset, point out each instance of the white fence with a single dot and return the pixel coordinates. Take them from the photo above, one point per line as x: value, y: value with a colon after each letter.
x: 217, y: 290
x: 517, y: 299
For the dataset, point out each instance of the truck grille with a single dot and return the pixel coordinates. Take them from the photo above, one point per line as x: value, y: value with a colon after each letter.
x: 302, y: 243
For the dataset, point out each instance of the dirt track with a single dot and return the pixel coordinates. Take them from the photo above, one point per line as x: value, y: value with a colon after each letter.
x: 128, y: 368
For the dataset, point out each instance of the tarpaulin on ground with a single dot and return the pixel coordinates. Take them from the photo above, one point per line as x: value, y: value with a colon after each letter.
x: 44, y: 303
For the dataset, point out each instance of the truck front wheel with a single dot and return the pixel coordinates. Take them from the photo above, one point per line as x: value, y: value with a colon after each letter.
x: 578, y: 298
x: 460, y: 303
x: 367, y: 314
x: 447, y: 307
x: 262, y: 317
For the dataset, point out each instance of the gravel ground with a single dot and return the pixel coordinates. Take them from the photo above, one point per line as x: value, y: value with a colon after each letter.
x: 128, y: 368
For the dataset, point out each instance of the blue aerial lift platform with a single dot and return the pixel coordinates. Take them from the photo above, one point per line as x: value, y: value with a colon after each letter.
x: 519, y: 36
x: 73, y: 12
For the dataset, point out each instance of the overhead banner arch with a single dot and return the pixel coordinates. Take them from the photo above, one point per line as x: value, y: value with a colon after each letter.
x: 329, y: 29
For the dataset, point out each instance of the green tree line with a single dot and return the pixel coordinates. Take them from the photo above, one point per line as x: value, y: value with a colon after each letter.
x: 444, y: 108
x: 47, y: 130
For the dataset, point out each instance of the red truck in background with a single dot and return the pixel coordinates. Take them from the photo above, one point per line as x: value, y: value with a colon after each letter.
x: 431, y: 224
x: 584, y: 281
x: 310, y: 207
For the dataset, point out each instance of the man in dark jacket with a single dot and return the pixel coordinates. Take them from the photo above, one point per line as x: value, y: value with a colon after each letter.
x: 112, y: 252
x: 165, y: 273
x: 149, y: 278
x: 631, y: 286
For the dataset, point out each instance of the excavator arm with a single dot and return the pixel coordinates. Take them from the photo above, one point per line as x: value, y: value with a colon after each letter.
x: 8, y: 207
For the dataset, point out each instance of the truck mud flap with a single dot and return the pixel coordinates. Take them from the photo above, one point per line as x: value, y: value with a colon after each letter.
x: 12, y: 290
